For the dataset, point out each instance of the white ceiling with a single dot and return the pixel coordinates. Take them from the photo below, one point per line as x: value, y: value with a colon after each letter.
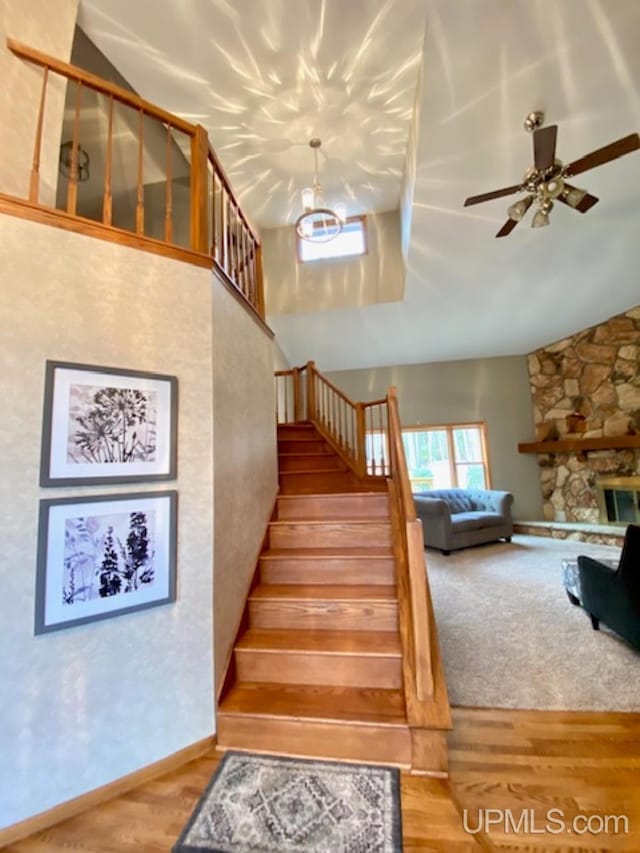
x: 266, y: 77
x: 487, y: 63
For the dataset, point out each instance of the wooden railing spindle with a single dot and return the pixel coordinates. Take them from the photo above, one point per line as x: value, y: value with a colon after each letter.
x: 107, y: 200
x: 140, y: 188
x: 311, y: 390
x: 168, y: 203
x: 34, y: 182
x: 219, y: 228
x: 72, y: 187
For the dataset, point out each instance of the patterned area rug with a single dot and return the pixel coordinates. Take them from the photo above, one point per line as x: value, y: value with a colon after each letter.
x: 264, y: 804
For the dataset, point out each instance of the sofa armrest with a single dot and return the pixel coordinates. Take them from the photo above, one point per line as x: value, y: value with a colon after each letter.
x: 426, y: 506
x: 493, y: 500
x: 435, y: 515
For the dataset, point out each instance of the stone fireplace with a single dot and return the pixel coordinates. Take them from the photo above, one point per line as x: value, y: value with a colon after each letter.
x: 584, y: 387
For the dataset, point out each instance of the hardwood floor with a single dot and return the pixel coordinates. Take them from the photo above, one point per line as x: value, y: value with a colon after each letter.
x: 525, y: 761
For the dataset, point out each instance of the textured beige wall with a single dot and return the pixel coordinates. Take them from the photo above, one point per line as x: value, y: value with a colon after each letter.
x: 245, y: 460
x: 84, y: 706
x: 280, y: 361
x: 378, y: 276
x: 495, y: 390
x: 48, y: 27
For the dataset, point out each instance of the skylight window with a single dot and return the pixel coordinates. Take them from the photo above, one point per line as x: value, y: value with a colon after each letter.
x: 350, y: 242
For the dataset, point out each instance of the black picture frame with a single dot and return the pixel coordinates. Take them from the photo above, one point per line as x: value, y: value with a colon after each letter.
x: 104, y: 555
x: 83, y: 441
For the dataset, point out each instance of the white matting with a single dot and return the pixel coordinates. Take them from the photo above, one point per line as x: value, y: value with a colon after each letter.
x: 511, y: 639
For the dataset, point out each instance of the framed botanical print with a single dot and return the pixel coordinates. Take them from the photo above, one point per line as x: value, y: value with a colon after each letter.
x: 106, y: 425
x: 103, y: 556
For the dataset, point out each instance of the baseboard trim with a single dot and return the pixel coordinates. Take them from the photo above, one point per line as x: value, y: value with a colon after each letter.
x: 74, y: 807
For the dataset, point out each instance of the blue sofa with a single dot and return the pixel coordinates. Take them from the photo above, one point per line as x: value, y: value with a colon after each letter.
x: 457, y: 518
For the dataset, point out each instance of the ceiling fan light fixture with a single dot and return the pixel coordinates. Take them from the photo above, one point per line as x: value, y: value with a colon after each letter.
x: 517, y: 211
x: 552, y: 188
x: 541, y: 217
x: 318, y: 223
x: 573, y: 196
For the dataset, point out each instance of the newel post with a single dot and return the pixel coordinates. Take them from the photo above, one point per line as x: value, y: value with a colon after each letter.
x: 311, y: 390
x: 259, y: 282
x: 361, y: 448
x: 298, y: 414
x: 199, y: 205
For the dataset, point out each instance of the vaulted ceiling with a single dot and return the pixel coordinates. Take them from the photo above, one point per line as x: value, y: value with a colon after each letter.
x: 264, y: 77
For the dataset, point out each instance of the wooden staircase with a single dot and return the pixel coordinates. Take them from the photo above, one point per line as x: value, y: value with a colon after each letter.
x: 317, y: 668
x: 307, y: 464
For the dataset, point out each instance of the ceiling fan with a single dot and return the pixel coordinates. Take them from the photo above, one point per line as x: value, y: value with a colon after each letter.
x: 546, y: 181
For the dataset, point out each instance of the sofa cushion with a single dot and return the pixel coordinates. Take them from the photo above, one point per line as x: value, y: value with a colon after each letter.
x: 461, y: 522
x: 488, y: 519
x: 459, y: 503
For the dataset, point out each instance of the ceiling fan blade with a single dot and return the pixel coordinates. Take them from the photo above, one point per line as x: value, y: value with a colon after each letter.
x: 507, y: 228
x: 544, y: 147
x: 585, y: 203
x: 604, y: 155
x: 476, y: 199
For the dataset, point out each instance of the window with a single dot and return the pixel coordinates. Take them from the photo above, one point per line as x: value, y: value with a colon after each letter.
x: 351, y: 241
x: 442, y: 457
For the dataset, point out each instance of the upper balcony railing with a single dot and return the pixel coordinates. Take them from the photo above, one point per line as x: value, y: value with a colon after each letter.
x: 129, y: 169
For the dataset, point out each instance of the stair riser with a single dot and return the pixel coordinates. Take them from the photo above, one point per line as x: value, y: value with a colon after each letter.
x: 291, y: 432
x: 327, y: 615
x: 333, y: 506
x: 342, y: 741
x: 329, y: 535
x: 323, y: 481
x: 334, y: 570
x: 321, y: 461
x: 293, y: 445
x: 311, y: 668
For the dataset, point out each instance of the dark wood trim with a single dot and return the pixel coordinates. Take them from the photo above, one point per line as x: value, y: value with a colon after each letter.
x: 104, y: 793
x: 580, y: 445
x: 233, y: 289
x: 89, y: 227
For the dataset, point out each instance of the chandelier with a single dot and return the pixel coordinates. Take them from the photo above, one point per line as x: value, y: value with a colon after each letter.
x: 318, y: 223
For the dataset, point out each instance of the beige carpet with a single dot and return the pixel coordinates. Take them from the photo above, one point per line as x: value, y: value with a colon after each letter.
x: 511, y: 639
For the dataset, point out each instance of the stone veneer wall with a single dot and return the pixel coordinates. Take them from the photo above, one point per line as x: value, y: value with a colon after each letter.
x: 594, y: 374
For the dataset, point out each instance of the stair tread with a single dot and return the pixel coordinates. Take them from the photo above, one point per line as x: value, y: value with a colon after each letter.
x: 374, y: 643
x: 342, y: 470
x: 297, y: 453
x: 356, y: 493
x: 320, y: 522
x: 372, y: 552
x: 367, y: 705
x: 346, y: 592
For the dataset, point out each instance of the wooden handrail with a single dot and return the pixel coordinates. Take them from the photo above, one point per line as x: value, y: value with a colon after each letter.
x: 219, y: 170
x: 336, y: 390
x: 236, y: 253
x: 399, y: 467
x: 94, y: 82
